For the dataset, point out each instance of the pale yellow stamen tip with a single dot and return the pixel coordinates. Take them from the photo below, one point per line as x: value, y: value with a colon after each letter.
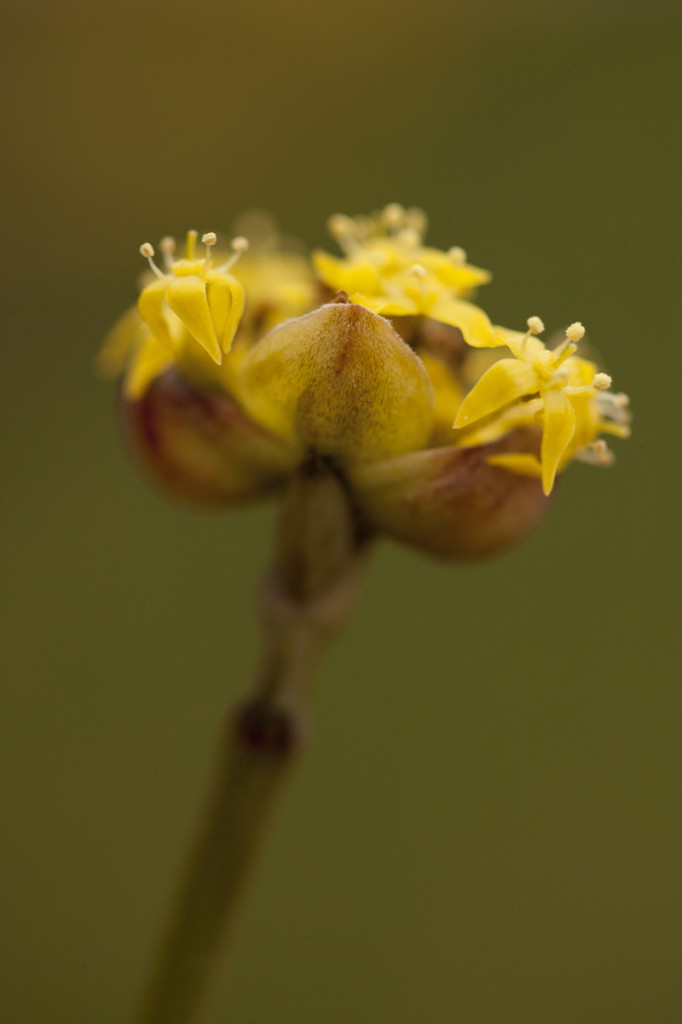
x: 457, y: 255
x: 417, y: 270
x: 147, y: 250
x: 393, y: 216
x: 239, y: 244
x: 535, y: 325
x: 167, y: 244
x: 210, y: 238
x: 575, y: 332
x: 340, y: 226
x: 601, y: 381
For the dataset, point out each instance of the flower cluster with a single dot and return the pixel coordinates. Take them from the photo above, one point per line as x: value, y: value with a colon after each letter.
x: 447, y: 430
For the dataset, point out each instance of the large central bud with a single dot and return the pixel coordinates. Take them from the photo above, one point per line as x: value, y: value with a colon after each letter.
x: 342, y: 382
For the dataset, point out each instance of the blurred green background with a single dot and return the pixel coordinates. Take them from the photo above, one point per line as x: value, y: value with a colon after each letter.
x: 487, y: 827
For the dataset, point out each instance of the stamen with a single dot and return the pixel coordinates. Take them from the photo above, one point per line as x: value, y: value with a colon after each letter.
x: 393, y: 216
x: 209, y: 239
x: 613, y: 409
x: 596, y: 454
x: 342, y: 230
x: 147, y: 250
x: 167, y: 247
x: 417, y: 270
x: 239, y: 246
x: 535, y: 325
x: 575, y: 332
x: 600, y: 382
x: 458, y: 256
x: 191, y: 244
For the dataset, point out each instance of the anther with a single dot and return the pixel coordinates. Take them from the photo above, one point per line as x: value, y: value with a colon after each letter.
x: 575, y: 332
x: 209, y: 238
x: 147, y: 250
x: 535, y: 325
x: 393, y: 216
x: 417, y: 270
x: 340, y: 226
x: 601, y: 381
x: 239, y: 245
x: 457, y: 255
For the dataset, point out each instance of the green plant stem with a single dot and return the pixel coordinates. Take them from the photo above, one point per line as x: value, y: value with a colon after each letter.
x: 304, y: 601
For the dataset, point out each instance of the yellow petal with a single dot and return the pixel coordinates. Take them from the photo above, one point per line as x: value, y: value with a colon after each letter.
x: 186, y: 296
x: 126, y: 333
x: 149, y: 361
x: 506, y: 381
x: 472, y: 321
x: 225, y: 297
x: 341, y: 275
x: 447, y: 392
x: 558, y: 429
x: 517, y: 462
x: 524, y: 346
x: 152, y: 308
x: 383, y: 306
x: 339, y: 380
x: 461, y: 278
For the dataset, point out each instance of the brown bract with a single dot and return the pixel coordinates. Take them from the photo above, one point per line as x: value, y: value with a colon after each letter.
x: 200, y: 447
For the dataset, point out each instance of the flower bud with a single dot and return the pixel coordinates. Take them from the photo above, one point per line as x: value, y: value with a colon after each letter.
x: 199, y: 446
x: 450, y: 502
x: 339, y: 381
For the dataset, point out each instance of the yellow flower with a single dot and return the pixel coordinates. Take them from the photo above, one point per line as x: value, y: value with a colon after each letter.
x: 567, y: 388
x: 207, y: 300
x: 387, y: 269
x: 152, y: 337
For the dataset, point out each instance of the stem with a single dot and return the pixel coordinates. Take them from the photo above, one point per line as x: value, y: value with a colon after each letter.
x: 304, y: 600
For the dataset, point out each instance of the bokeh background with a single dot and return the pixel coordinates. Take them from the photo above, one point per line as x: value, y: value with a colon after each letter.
x: 487, y: 827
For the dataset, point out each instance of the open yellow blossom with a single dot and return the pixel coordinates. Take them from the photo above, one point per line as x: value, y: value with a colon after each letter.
x: 186, y: 317
x: 568, y: 405
x: 387, y: 269
x: 208, y: 300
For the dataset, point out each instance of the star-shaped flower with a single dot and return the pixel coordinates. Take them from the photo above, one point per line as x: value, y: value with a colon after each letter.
x: 554, y: 375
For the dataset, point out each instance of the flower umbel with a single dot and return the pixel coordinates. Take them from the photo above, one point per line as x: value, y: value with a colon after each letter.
x: 234, y: 380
